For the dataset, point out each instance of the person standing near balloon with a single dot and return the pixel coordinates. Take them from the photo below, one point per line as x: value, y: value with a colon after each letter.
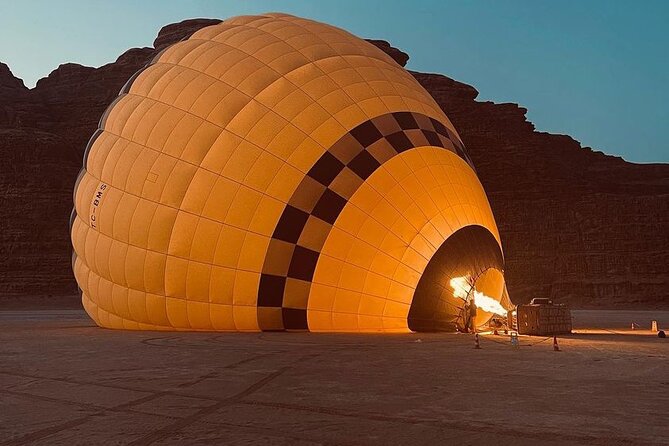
x: 471, y: 314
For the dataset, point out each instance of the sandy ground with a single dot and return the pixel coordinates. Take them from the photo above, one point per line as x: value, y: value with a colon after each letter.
x: 64, y: 381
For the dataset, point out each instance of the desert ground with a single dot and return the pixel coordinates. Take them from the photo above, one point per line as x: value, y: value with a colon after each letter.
x: 65, y: 381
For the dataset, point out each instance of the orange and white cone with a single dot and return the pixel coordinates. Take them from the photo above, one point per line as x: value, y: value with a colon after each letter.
x: 556, y: 347
x: 476, y: 341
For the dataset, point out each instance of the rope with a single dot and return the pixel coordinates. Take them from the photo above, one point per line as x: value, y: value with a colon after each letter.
x: 606, y: 329
x: 488, y: 338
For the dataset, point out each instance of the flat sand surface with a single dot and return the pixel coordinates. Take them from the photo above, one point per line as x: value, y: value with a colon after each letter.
x: 64, y: 381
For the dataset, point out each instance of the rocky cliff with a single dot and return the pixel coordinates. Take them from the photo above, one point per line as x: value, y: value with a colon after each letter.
x: 577, y: 225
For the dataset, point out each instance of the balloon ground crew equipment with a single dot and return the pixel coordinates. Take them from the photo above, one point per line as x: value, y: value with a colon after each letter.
x: 542, y: 317
x: 556, y: 347
x: 477, y: 344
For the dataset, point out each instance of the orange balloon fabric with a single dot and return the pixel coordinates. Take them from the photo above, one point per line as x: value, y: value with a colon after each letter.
x: 275, y: 173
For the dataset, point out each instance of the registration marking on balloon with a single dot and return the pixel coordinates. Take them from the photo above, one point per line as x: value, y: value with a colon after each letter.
x: 95, y: 204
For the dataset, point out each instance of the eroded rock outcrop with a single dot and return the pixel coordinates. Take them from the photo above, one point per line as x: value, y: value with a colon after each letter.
x: 175, y: 32
x: 577, y: 225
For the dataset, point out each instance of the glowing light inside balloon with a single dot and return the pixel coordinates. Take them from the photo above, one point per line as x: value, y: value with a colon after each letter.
x: 462, y: 288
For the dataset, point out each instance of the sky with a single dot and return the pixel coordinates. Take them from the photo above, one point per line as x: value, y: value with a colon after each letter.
x: 597, y: 70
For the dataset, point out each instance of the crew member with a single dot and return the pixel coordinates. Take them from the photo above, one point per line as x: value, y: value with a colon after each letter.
x: 472, y: 315
x: 465, y: 317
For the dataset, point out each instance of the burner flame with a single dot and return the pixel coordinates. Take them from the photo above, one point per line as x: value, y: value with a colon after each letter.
x: 462, y: 287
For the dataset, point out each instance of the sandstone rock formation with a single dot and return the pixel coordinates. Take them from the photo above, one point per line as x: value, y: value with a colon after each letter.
x: 577, y: 225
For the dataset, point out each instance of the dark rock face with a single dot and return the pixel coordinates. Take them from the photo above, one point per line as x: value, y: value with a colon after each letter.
x: 12, y: 91
x: 577, y: 225
x: 398, y: 56
x: 178, y: 31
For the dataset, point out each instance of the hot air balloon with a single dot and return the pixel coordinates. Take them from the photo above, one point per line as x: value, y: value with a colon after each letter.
x: 274, y: 173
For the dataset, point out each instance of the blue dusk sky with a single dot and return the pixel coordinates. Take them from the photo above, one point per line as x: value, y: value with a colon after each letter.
x: 597, y: 70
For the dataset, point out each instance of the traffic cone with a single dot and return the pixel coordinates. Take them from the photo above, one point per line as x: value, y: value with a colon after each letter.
x: 653, y: 325
x: 476, y: 341
x: 556, y: 347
